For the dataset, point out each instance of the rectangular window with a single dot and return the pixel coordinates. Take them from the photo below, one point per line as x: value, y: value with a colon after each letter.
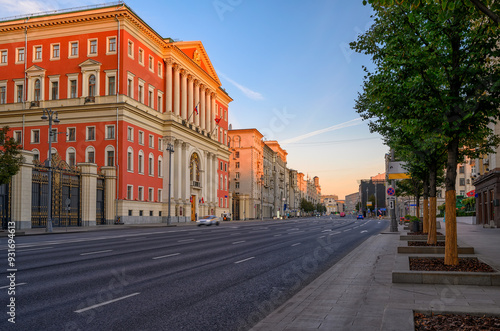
x: 35, y: 136
x: 160, y: 144
x: 130, y: 212
x: 74, y: 49
x: 129, y: 87
x: 112, y: 45
x: 151, y: 195
x: 3, y: 57
x: 3, y: 94
x: 159, y: 195
x: 150, y: 99
x: 237, y: 184
x: 462, y: 181
x: 140, y: 97
x: 150, y: 166
x: 150, y: 213
x: 55, y: 91
x: 131, y: 49
x: 151, y: 141
x: 110, y: 132
x: 93, y: 46
x: 237, y: 175
x: 130, y: 134
x: 110, y: 156
x: 90, y: 132
x: 236, y: 154
x: 18, y: 136
x: 72, y: 89
x: 111, y: 85
x: 160, y: 103
x: 140, y: 193
x: 461, y: 169
x: 140, y: 211
x: 38, y: 53
x: 237, y: 165
x: 151, y: 63
x: 130, y: 195
x: 71, y: 134
x: 141, y: 138
x: 20, y: 55
x: 140, y: 163
x: 160, y: 69
x: 55, y: 51
x: 141, y: 56
x: 20, y: 93
x: 53, y: 135
x: 160, y: 170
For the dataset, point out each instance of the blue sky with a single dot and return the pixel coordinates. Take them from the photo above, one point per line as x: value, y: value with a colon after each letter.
x: 288, y: 67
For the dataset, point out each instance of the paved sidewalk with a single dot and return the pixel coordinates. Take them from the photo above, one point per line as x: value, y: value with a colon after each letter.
x: 357, y: 293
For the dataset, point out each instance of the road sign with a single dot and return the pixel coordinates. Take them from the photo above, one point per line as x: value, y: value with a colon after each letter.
x: 391, y: 204
x: 390, y: 191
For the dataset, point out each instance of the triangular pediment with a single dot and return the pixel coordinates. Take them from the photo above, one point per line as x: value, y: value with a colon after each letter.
x: 197, y: 53
x: 89, y: 63
x: 34, y: 68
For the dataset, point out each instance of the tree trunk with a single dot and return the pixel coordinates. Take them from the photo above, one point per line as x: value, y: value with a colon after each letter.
x: 432, y: 236
x: 426, y: 207
x: 451, y: 248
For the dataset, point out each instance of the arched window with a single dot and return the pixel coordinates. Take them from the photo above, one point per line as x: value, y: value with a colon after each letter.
x: 140, y: 162
x: 109, y: 156
x: 220, y: 182
x: 225, y: 183
x: 92, y: 85
x: 130, y: 159
x: 194, y: 167
x: 160, y: 166
x: 90, y: 155
x: 37, y: 90
x: 36, y: 154
x: 151, y: 166
x: 71, y: 156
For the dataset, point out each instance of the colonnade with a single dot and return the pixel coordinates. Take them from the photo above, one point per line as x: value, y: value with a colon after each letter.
x: 184, y: 92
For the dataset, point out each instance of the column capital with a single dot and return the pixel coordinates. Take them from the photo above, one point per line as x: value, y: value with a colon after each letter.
x: 169, y: 61
x: 176, y: 67
x: 190, y: 78
x: 196, y: 82
x: 185, y: 145
x: 202, y: 87
x: 183, y: 72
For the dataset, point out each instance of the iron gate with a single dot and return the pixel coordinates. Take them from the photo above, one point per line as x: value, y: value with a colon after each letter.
x: 5, y: 204
x: 66, y: 184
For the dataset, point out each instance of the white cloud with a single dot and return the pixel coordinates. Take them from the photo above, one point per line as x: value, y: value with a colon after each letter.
x: 353, y: 122
x: 246, y: 91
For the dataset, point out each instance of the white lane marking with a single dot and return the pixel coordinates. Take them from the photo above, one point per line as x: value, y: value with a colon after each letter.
x: 333, y: 233
x: 321, y: 237
x: 239, y: 242
x: 15, y: 285
x: 184, y: 240
x: 33, y: 249
x: 109, y: 250
x: 105, y: 303
x: 364, y: 231
x: 169, y: 255
x: 253, y: 257
x: 296, y: 244
x: 326, y: 231
x: 277, y: 235
x: 347, y: 230
x: 130, y: 239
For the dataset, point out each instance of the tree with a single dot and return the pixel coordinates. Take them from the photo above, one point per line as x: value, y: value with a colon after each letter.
x: 435, y: 68
x: 10, y: 156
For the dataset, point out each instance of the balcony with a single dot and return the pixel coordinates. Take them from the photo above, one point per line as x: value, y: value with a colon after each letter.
x: 34, y: 104
x: 195, y: 184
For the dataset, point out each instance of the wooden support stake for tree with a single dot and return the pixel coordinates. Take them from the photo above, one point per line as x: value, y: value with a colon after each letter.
x: 451, y: 248
x: 432, y: 236
x: 426, y: 216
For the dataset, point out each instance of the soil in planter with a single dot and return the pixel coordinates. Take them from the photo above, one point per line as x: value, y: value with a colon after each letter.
x: 424, y: 322
x: 422, y: 234
x: 424, y: 243
x: 465, y: 264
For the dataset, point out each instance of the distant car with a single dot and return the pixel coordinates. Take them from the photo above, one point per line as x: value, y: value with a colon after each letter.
x: 360, y: 217
x: 342, y: 214
x: 208, y: 220
x: 226, y: 217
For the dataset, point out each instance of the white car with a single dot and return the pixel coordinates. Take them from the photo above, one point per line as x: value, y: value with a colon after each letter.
x: 208, y: 220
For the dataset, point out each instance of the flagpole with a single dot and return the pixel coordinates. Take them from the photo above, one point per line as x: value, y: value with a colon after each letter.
x: 195, y: 107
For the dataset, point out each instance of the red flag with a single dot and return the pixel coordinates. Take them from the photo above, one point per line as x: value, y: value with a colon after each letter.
x: 217, y: 120
x: 202, y: 201
x: 196, y: 109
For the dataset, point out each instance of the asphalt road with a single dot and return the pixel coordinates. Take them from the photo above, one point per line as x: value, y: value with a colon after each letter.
x: 225, y: 277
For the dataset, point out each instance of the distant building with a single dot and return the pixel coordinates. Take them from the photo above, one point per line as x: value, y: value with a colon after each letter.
x: 351, y: 202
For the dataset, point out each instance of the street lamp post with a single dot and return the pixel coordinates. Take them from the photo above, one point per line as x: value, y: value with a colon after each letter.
x: 47, y: 115
x: 170, y: 149
x: 261, y: 202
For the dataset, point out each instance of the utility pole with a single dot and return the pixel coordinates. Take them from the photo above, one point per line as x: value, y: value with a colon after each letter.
x: 394, y: 224
x: 170, y: 149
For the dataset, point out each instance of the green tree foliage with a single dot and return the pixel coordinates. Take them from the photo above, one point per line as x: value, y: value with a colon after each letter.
x: 306, y: 206
x: 10, y: 156
x: 435, y: 87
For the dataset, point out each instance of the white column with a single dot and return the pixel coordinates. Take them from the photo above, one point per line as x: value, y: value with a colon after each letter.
x: 177, y: 176
x: 190, y: 98
x: 213, y: 111
x: 202, y: 107
x: 215, y: 180
x: 196, y: 101
x: 168, y: 86
x: 208, y: 108
x: 177, y: 92
x: 208, y: 177
x: 184, y: 94
x: 185, y: 181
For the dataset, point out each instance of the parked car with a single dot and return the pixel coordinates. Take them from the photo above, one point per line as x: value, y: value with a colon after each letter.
x: 208, y: 220
x: 360, y: 217
x: 342, y: 214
